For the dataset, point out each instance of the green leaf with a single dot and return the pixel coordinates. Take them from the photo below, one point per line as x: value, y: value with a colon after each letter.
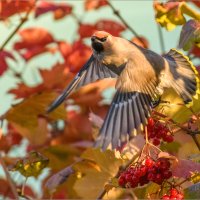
x: 32, y: 165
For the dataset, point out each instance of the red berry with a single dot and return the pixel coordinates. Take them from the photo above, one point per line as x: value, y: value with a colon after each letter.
x: 158, y: 179
x: 143, y: 170
x: 168, y: 138
x: 165, y: 196
x: 149, y: 162
x: 172, y: 197
x: 121, y: 181
x: 179, y: 196
x: 128, y: 177
x: 151, y: 121
x: 167, y: 174
x: 173, y: 192
x: 156, y: 142
x: 151, y: 177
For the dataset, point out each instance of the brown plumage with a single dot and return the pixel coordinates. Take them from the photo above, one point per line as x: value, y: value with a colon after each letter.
x: 142, y: 76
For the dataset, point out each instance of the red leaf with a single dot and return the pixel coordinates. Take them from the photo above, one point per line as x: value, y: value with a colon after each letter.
x: 30, y: 53
x: 95, y: 4
x: 196, y: 2
x: 3, y: 64
x: 12, y: 7
x: 184, y: 167
x: 86, y: 30
x: 110, y: 26
x: 60, y: 10
x: 114, y: 28
x: 195, y: 51
x: 32, y: 37
x: 141, y: 41
x: 49, y: 82
x: 78, y: 56
x: 64, y: 48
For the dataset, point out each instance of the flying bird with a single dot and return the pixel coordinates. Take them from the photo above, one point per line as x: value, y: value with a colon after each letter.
x: 142, y: 77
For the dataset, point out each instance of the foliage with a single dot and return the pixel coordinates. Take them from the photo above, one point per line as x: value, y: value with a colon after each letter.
x: 63, y: 139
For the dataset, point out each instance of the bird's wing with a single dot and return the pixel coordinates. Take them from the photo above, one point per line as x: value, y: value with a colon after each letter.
x: 128, y: 114
x: 131, y: 106
x: 90, y: 72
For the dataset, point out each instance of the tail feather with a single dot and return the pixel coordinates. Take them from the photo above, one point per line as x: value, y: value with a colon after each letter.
x: 185, y: 76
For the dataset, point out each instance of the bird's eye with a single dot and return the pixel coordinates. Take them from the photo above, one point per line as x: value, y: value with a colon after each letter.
x: 103, y: 39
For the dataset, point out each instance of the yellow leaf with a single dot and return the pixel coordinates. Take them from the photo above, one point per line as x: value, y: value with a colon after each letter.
x: 96, y: 170
x: 25, y: 116
x: 171, y: 14
x: 175, y: 108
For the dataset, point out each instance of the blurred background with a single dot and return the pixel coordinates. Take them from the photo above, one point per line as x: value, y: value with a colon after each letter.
x: 40, y: 60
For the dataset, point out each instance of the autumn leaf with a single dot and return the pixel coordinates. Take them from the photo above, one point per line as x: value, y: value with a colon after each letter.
x: 94, y: 4
x: 25, y: 117
x: 4, y: 55
x: 95, y: 171
x: 141, y: 41
x: 184, y: 168
x: 33, y: 37
x: 12, y: 7
x: 49, y: 81
x: 114, y: 28
x: 77, y: 56
x: 196, y: 52
x: 174, y: 107
x: 190, y: 35
x: 33, y: 42
x: 59, y: 10
x: 171, y: 14
x: 32, y: 165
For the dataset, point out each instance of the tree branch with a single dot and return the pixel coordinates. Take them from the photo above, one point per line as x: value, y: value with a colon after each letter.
x: 23, y: 20
x: 162, y: 44
x: 117, y: 13
x: 187, y: 130
x: 12, y: 186
x: 122, y: 168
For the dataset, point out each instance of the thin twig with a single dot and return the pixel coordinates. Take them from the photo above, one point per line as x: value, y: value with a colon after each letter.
x: 188, y: 131
x: 121, y: 168
x: 12, y: 186
x: 162, y: 44
x: 117, y: 13
x: 23, y: 20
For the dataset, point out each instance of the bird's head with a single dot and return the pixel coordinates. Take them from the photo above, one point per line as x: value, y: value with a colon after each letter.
x: 101, y: 41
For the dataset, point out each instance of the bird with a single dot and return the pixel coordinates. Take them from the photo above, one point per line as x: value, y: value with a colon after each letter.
x: 142, y: 76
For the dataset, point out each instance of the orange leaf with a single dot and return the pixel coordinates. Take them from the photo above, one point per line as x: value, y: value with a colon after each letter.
x: 78, y: 56
x: 114, y: 28
x: 141, y: 41
x: 49, y: 81
x: 31, y: 37
x: 95, y: 4
x: 25, y: 116
x: 3, y: 64
x: 12, y: 7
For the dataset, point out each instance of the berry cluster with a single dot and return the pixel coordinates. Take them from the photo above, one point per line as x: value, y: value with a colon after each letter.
x: 173, y: 194
x: 148, y: 170
x: 158, y: 132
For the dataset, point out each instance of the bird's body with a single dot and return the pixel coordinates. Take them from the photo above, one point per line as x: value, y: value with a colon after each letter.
x: 142, y: 76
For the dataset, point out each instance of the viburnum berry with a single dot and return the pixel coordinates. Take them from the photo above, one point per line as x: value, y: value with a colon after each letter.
x: 173, y: 194
x: 158, y: 132
x: 148, y: 170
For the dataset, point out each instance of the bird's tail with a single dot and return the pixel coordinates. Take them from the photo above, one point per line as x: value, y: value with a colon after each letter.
x: 185, y: 80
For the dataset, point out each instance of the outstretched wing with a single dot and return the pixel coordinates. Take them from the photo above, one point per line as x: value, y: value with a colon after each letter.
x: 131, y: 106
x: 90, y: 72
x: 128, y: 114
